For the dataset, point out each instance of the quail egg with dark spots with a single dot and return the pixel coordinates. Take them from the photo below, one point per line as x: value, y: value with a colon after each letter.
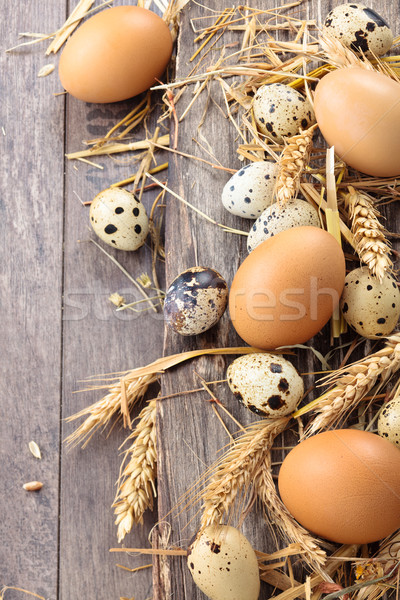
x: 195, y: 300
x: 359, y: 28
x: 370, y: 307
x: 281, y: 111
x: 276, y: 218
x: 389, y: 421
x: 223, y: 564
x: 119, y: 219
x: 250, y: 190
x: 267, y: 384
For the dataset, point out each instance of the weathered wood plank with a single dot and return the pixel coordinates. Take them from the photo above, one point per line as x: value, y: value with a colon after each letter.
x: 31, y: 201
x: 189, y: 435
x: 97, y: 340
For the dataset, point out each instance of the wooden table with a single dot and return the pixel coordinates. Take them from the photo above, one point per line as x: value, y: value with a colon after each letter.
x: 58, y: 327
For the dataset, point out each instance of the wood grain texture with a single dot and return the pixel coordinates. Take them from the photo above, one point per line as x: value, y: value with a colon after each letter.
x: 58, y: 327
x: 98, y: 340
x: 31, y: 205
x: 189, y: 435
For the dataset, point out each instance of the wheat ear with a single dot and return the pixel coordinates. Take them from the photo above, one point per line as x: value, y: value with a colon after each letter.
x: 340, y: 56
x: 352, y: 384
x: 278, y: 513
x: 127, y: 388
x: 236, y: 470
x: 248, y: 465
x: 292, y: 162
x: 136, y: 487
x: 121, y: 397
x: 369, y: 234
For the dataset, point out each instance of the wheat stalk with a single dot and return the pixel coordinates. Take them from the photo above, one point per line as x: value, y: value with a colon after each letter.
x: 339, y: 56
x: 291, y: 164
x: 369, y: 234
x: 121, y: 398
x: 248, y: 465
x: 129, y: 387
x: 290, y: 529
x: 235, y: 471
x: 136, y: 488
x: 352, y: 384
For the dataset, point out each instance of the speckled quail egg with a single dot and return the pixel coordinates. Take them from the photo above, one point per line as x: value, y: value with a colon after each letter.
x: 119, y: 219
x: 275, y: 218
x: 224, y: 565
x: 359, y: 28
x: 267, y: 384
x: 281, y: 111
x: 250, y: 190
x: 195, y: 300
x: 389, y: 421
x: 370, y: 307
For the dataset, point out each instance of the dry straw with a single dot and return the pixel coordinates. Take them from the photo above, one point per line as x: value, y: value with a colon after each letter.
x: 246, y: 467
x: 292, y: 162
x: 339, y: 56
x: 369, y: 234
x: 382, y: 564
x: 136, y: 487
x: 128, y: 388
x: 351, y: 384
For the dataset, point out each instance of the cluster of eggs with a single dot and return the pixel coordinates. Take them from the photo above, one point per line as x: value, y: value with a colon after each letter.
x: 283, y: 293
x: 286, y: 290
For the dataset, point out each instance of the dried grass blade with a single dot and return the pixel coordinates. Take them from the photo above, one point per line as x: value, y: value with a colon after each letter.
x: 340, y: 56
x: 333, y: 227
x: 115, y: 148
x: 98, y: 415
x: 79, y: 12
x: 333, y: 563
x: 309, y: 191
x: 195, y: 209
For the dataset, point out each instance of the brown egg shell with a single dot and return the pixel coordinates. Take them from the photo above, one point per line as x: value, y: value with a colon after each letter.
x: 343, y: 485
x: 195, y: 301
x: 116, y: 54
x: 358, y: 112
x: 286, y: 289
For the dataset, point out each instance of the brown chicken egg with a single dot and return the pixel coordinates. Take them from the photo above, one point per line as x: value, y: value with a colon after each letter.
x: 285, y: 291
x: 343, y: 485
x: 116, y: 54
x: 358, y: 112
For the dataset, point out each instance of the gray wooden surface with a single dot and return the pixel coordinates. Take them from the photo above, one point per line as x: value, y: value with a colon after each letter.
x: 58, y: 328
